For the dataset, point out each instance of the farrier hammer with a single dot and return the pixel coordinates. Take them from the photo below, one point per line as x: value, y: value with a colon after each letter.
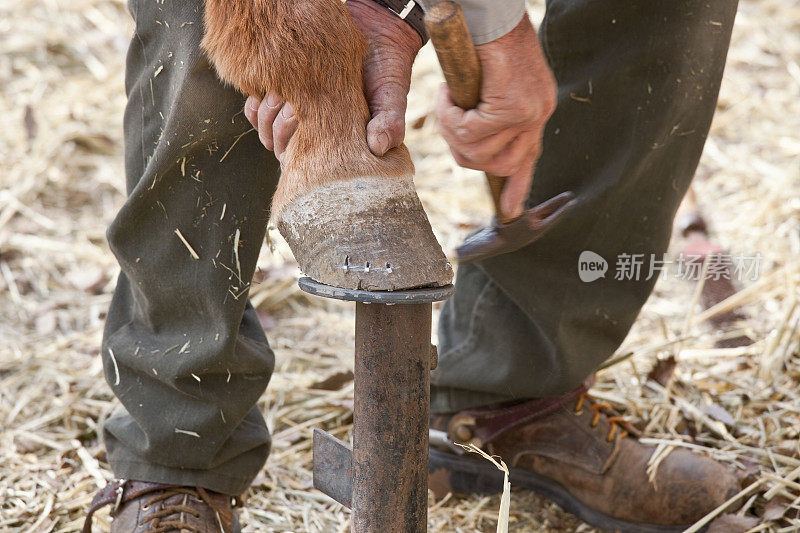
x: 461, y: 67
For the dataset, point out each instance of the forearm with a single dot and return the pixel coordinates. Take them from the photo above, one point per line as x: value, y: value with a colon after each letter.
x: 488, y: 19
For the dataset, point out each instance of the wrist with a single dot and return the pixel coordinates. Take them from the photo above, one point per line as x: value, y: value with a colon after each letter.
x: 411, y: 12
x: 521, y: 37
x: 382, y: 22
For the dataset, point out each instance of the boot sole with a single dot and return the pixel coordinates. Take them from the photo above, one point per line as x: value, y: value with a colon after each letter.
x: 464, y: 475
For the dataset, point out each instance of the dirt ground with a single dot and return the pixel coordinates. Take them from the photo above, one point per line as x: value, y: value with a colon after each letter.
x: 61, y: 183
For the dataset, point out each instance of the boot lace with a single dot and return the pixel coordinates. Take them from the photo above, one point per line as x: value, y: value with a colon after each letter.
x: 169, y: 518
x: 617, y: 424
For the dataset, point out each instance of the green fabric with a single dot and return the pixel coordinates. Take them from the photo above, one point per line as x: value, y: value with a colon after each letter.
x: 191, y: 357
x: 638, y: 83
x: 183, y: 351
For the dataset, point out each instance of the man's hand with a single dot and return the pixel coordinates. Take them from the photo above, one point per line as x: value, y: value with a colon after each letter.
x: 393, y: 45
x: 503, y: 135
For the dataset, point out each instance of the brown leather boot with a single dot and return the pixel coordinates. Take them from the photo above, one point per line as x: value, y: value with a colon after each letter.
x: 141, y: 507
x: 582, y: 456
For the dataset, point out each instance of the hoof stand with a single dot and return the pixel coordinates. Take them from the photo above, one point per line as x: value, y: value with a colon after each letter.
x: 365, y: 233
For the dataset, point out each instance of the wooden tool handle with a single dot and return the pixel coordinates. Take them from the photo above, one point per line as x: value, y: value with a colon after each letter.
x: 458, y: 58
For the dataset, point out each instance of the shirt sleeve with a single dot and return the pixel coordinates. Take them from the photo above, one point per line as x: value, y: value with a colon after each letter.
x: 488, y: 19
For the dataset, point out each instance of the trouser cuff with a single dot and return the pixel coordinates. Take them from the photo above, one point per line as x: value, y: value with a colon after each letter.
x: 445, y: 400
x: 208, y: 479
x: 449, y: 400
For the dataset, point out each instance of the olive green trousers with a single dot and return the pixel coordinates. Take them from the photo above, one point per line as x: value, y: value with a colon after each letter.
x: 183, y: 350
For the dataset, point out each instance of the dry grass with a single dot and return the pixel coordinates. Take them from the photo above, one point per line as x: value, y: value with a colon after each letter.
x: 61, y: 182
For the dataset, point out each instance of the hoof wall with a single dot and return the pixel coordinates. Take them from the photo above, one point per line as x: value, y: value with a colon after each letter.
x: 366, y: 233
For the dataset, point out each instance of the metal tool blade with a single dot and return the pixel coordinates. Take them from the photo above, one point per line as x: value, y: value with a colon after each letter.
x: 333, y: 467
x: 439, y: 439
x: 500, y: 239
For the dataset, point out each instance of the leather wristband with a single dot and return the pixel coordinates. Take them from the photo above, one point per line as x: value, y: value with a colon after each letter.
x: 411, y: 12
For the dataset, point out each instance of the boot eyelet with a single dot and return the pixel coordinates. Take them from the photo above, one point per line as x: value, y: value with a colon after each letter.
x: 463, y: 433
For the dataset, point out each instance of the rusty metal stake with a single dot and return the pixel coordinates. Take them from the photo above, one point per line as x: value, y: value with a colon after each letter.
x: 384, y: 477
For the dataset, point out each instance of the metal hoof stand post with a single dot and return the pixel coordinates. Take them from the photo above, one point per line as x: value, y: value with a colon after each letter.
x: 383, y: 478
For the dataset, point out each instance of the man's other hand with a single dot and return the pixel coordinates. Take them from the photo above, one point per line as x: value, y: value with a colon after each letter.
x: 393, y: 45
x: 503, y: 135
